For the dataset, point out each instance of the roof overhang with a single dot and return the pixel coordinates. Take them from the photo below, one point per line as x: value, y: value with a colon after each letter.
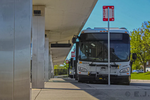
x: 63, y: 20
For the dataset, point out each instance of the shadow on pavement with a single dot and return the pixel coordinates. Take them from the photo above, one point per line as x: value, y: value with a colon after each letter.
x: 135, y: 91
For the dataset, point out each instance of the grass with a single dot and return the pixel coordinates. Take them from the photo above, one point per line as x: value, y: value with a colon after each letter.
x: 142, y: 76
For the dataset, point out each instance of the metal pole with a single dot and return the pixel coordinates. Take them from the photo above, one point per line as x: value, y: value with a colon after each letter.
x: 108, y: 51
x: 77, y: 51
x: 96, y: 71
x: 67, y: 69
x: 73, y: 67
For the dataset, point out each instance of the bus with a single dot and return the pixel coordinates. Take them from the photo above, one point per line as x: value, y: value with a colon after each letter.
x: 92, y: 55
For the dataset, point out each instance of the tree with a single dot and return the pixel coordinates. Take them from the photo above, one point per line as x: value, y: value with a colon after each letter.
x: 140, y: 44
x: 55, y: 66
x: 60, y: 70
x: 59, y: 67
x: 66, y: 66
x: 136, y: 65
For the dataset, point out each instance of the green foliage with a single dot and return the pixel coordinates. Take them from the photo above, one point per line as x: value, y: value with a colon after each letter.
x: 59, y: 67
x: 140, y: 44
x: 60, y: 72
x: 135, y: 67
x: 64, y: 66
x: 55, y: 66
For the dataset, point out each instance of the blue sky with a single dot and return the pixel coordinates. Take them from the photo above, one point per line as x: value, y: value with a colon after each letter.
x: 128, y: 13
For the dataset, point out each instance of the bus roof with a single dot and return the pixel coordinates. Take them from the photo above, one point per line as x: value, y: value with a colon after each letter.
x: 98, y: 30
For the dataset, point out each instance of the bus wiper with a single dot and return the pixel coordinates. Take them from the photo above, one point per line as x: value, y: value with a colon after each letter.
x: 93, y: 60
x: 114, y: 62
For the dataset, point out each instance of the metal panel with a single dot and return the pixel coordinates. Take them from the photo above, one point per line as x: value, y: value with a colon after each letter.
x: 6, y: 49
x: 46, y: 58
x: 38, y: 36
x: 15, y: 37
x: 23, y: 9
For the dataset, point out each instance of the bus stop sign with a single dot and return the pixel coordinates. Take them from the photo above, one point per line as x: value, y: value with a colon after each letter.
x: 111, y: 13
x: 72, y: 54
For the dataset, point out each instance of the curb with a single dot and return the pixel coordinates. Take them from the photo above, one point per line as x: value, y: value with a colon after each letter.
x: 140, y: 80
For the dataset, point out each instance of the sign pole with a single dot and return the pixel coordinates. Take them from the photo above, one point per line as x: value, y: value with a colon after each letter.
x: 108, y: 15
x: 73, y: 68
x: 108, y: 51
x: 72, y: 56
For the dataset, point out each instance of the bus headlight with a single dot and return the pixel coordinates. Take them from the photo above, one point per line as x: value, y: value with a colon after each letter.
x: 82, y: 69
x: 124, y: 70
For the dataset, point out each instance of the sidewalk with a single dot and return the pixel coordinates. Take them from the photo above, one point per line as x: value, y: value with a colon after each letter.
x: 70, y: 89
x: 59, y: 89
x: 138, y: 80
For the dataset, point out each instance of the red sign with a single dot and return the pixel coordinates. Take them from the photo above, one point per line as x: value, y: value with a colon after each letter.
x: 72, y: 54
x: 105, y: 13
x: 67, y: 61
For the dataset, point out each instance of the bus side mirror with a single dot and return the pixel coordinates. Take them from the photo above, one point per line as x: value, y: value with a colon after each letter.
x: 74, y: 39
x: 134, y: 56
x: 79, y: 56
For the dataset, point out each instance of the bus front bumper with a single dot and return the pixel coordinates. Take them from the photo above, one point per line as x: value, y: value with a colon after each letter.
x: 113, y: 78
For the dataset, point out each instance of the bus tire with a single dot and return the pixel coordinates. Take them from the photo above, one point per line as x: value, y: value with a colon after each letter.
x: 76, y: 77
x: 128, y: 81
x: 79, y: 79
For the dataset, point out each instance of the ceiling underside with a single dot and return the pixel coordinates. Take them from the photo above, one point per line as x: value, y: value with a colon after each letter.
x: 63, y: 19
x: 61, y: 54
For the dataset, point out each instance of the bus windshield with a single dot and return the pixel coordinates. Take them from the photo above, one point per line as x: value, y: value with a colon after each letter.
x: 98, y: 51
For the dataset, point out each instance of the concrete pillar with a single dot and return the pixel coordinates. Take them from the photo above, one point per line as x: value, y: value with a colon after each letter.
x: 51, y: 67
x: 52, y: 70
x: 46, y: 58
x: 49, y: 74
x: 38, y: 41
x: 15, y: 37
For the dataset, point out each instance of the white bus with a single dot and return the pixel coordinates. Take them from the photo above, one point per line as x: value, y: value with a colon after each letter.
x: 92, y: 55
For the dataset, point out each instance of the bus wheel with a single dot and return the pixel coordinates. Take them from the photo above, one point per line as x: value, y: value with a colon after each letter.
x: 128, y: 81
x: 76, y: 77
x: 79, y: 79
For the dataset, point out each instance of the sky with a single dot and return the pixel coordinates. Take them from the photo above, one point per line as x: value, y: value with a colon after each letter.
x: 127, y: 13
